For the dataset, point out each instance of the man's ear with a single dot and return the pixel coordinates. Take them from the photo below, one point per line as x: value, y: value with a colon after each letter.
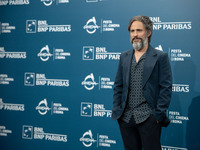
x: 149, y: 33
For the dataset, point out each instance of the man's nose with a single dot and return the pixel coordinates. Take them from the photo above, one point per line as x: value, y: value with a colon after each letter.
x: 135, y: 34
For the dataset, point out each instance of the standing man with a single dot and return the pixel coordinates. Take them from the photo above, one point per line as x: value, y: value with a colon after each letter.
x: 142, y: 89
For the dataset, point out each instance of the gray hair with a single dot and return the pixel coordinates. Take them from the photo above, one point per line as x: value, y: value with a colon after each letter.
x: 148, y: 24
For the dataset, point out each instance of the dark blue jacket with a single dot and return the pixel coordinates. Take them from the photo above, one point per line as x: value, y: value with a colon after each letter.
x: 157, y: 84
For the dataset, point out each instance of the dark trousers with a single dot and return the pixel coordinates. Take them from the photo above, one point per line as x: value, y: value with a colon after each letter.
x: 145, y: 135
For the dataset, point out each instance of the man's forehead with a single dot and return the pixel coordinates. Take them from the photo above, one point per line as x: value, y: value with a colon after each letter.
x: 137, y: 24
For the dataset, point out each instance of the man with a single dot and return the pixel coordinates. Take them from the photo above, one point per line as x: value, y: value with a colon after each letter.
x: 142, y: 89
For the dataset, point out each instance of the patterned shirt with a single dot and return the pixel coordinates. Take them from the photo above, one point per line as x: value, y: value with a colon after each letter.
x: 136, y: 105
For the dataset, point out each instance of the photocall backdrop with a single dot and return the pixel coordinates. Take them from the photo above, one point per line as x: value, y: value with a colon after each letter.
x: 58, y: 61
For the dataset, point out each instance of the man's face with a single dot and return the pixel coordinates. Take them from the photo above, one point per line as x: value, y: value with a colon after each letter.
x: 138, y: 35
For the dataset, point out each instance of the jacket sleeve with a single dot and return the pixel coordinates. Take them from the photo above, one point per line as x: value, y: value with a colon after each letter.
x: 165, y: 89
x: 118, y: 87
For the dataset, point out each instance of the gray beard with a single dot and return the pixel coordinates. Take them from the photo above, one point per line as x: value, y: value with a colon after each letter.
x: 139, y: 45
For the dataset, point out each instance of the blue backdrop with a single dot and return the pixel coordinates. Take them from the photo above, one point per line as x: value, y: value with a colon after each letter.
x: 58, y: 60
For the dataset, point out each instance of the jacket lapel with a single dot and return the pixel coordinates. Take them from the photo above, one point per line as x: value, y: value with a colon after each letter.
x: 150, y: 61
x: 129, y: 56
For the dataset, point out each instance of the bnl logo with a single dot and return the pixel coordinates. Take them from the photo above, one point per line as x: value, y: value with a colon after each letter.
x: 86, y: 109
x: 99, y: 110
x: 27, y: 132
x: 88, y: 53
x: 29, y: 79
x: 30, y: 26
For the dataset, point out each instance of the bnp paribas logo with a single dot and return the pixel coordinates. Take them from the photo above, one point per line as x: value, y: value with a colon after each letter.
x: 27, y: 132
x: 31, y: 26
x: 161, y: 24
x: 173, y: 148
